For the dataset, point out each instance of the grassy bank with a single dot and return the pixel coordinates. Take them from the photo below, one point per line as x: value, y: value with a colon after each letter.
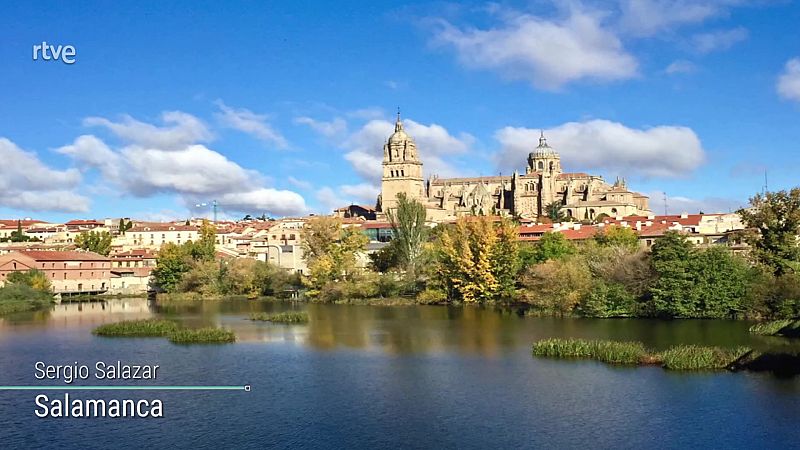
x: 137, y: 328
x: 202, y: 336
x: 681, y: 357
x: 16, y: 298
x: 786, y: 328
x: 284, y: 317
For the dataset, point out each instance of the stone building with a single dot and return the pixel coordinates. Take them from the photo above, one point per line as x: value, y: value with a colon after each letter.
x: 526, y: 195
x: 70, y: 272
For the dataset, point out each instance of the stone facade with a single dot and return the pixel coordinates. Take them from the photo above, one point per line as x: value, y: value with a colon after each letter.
x: 581, y: 196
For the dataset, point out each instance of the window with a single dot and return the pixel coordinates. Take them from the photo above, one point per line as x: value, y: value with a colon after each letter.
x: 541, y: 165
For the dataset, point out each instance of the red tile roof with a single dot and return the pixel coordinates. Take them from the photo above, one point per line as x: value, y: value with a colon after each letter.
x: 49, y: 255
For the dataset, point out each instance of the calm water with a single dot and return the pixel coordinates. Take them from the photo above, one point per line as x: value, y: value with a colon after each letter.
x: 386, y: 377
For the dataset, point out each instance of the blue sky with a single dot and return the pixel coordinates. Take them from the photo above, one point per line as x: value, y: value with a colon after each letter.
x: 282, y: 107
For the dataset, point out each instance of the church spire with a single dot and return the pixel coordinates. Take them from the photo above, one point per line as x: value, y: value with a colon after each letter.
x: 398, y: 126
x: 542, y: 140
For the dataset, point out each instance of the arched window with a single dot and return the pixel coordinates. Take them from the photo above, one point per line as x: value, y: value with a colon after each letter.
x: 614, y: 211
x: 402, y: 173
x: 591, y: 213
x: 569, y: 213
x: 551, y: 165
x: 541, y: 165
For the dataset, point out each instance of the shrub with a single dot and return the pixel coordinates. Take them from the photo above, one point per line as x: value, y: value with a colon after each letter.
x: 18, y: 297
x: 137, y: 328
x: 431, y: 297
x: 557, y: 285
x: 284, y: 317
x: 202, y: 336
x: 608, y: 300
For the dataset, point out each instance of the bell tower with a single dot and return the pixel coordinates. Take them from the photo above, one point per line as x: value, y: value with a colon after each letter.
x: 402, y: 169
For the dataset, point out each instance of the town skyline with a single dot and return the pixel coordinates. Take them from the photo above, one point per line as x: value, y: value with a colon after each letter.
x: 272, y: 120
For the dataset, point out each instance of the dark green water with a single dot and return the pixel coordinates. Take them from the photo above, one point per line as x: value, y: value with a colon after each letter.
x: 410, y: 377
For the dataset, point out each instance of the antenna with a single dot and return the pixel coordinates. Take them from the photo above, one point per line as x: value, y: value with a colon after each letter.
x: 666, y: 208
x: 766, y: 185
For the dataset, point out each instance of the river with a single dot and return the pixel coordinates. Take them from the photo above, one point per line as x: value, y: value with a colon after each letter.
x: 393, y: 377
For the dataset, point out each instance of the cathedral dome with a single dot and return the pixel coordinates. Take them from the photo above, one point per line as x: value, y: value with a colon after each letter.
x: 543, y: 150
x: 399, y: 136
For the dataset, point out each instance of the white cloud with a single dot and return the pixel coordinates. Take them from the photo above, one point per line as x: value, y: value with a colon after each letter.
x: 272, y: 201
x: 547, y: 53
x: 329, y: 200
x: 28, y: 184
x: 718, y: 40
x: 298, y: 183
x: 195, y: 172
x: 434, y: 142
x: 363, y: 192
x: 333, y: 128
x: 644, y: 18
x: 251, y: 123
x: 680, y: 66
x: 789, y: 80
x: 186, y: 129
x: 662, y: 151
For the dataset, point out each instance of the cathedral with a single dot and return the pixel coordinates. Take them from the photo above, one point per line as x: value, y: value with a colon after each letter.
x: 581, y: 196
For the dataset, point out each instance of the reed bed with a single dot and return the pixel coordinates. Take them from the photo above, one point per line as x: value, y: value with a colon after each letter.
x: 681, y: 357
x: 612, y: 352
x: 284, y: 317
x: 696, y: 357
x: 137, y: 328
x: 786, y: 327
x: 202, y: 336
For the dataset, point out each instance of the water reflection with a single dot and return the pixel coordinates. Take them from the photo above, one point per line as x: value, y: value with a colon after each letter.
x: 489, y: 332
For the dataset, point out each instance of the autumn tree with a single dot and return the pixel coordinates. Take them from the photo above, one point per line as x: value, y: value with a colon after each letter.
x: 33, y: 278
x: 477, y: 261
x: 331, y: 251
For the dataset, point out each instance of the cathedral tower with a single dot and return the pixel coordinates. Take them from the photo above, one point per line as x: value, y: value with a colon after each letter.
x: 402, y: 169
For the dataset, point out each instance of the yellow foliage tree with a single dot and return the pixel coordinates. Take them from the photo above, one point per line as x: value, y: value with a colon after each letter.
x: 469, y: 259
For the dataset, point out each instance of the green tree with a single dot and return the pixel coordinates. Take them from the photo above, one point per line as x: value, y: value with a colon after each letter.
x: 386, y: 258
x: 553, y: 245
x: 671, y: 261
x: 410, y: 231
x: 173, y: 262
x: 692, y: 283
x: 554, y: 213
x: 775, y: 216
x: 124, y: 226
x: 613, y: 235
x: 93, y: 241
